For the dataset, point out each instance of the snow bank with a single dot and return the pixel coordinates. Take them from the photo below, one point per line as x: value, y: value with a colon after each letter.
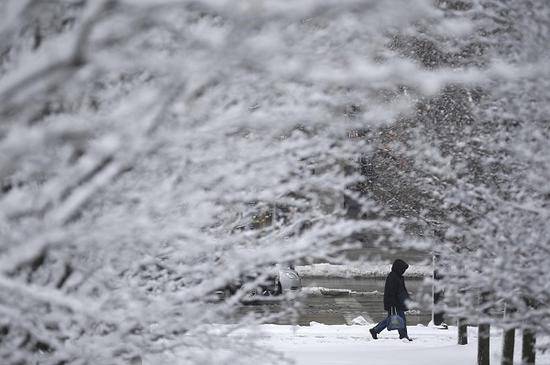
x: 366, y: 270
x: 319, y: 290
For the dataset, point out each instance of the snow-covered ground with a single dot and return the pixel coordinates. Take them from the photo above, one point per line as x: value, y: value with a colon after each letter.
x: 371, y: 269
x: 320, y: 344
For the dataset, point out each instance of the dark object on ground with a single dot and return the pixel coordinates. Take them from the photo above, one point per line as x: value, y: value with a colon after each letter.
x: 529, y: 342
x: 373, y: 333
x: 508, y: 347
x: 438, y: 317
x: 483, y: 344
x: 281, y: 281
x: 462, y: 331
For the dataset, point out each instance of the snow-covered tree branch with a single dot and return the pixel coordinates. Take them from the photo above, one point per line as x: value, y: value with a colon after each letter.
x: 153, y: 151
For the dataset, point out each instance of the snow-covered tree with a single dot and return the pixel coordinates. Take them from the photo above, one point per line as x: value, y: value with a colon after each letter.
x: 153, y: 151
x: 482, y: 155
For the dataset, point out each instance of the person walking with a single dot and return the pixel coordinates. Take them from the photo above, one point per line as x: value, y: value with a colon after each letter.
x: 395, y: 297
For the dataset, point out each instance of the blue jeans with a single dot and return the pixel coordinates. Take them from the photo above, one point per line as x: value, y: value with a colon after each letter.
x: 384, y: 323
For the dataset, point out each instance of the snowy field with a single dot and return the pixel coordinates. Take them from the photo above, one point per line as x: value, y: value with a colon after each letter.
x: 320, y: 344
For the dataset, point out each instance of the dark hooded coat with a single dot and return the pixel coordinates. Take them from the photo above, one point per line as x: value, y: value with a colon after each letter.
x: 395, y: 292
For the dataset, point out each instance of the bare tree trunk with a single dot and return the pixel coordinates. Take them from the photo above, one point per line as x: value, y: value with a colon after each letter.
x: 484, y: 333
x: 508, y: 347
x: 528, y: 347
x: 483, y: 353
x: 437, y: 316
x: 462, y: 331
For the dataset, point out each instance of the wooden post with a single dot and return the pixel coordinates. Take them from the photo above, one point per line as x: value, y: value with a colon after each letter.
x: 483, y: 350
x: 509, y: 339
x: 437, y: 317
x: 484, y: 333
x: 528, y: 347
x: 462, y: 331
x: 508, y: 347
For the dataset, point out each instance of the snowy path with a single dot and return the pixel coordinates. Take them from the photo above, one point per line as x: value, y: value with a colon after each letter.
x: 320, y: 344
x: 352, y: 345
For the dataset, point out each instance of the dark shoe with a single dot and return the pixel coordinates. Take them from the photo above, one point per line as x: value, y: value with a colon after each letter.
x: 405, y: 338
x: 373, y: 333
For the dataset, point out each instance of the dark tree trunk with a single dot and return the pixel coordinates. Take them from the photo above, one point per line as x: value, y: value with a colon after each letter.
x: 508, y: 347
x: 462, y: 331
x: 483, y: 353
x: 438, y: 297
x: 528, y: 347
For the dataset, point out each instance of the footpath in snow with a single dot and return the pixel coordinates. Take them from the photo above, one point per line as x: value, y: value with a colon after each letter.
x: 320, y: 344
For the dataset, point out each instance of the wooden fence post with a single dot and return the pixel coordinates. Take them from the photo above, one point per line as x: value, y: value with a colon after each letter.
x: 483, y: 347
x: 508, y: 347
x: 528, y: 347
x: 484, y: 333
x: 462, y: 331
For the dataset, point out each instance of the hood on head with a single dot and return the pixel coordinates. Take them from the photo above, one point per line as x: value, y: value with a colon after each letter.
x: 399, y: 266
